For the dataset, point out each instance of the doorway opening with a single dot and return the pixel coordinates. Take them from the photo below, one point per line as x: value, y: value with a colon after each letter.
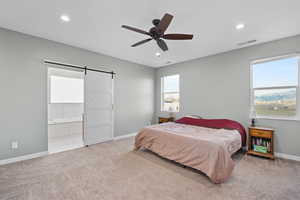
x: 65, y: 109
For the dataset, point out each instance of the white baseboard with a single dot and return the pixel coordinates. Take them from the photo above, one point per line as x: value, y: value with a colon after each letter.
x: 125, y: 136
x: 21, y: 158
x: 287, y: 156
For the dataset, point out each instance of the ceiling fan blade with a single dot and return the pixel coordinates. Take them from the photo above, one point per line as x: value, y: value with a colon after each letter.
x: 178, y: 37
x: 141, y: 42
x: 164, y: 22
x: 162, y: 44
x: 136, y: 30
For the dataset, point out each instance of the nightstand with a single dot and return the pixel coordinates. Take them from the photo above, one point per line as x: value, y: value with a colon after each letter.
x: 165, y: 119
x: 261, y: 142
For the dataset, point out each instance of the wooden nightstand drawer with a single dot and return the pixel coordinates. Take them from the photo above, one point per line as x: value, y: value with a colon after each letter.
x: 165, y: 119
x: 261, y: 133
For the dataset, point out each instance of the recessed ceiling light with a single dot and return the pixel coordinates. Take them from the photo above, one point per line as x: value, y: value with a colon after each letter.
x: 65, y: 18
x: 157, y: 54
x: 240, y: 26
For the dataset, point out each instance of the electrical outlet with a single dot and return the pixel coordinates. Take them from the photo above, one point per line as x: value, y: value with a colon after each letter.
x: 14, y: 145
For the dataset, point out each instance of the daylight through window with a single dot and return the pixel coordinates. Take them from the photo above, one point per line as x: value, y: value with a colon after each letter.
x: 170, y: 93
x: 275, y: 88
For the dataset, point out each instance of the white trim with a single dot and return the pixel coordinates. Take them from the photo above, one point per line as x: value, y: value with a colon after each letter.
x: 278, y: 118
x: 274, y: 58
x: 22, y: 158
x: 113, y: 107
x: 277, y: 87
x: 287, y: 156
x: 125, y: 136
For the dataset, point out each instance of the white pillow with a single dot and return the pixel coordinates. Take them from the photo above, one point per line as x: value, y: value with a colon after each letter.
x: 194, y: 116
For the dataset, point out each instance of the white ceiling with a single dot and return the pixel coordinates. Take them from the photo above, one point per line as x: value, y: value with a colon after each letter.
x: 96, y: 25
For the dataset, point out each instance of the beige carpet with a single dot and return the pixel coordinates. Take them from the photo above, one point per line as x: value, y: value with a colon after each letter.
x: 112, y: 171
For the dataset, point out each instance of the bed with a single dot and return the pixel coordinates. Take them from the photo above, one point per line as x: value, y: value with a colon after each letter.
x: 203, y: 144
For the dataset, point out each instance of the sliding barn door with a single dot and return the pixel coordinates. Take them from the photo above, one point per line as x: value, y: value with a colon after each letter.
x: 98, y: 116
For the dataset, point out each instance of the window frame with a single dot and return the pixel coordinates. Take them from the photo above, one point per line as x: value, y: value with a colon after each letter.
x: 252, y: 89
x: 162, y: 93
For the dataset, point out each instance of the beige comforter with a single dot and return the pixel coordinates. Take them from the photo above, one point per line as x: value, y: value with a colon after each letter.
x: 206, y: 149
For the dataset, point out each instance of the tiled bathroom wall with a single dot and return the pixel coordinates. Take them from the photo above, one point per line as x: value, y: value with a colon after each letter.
x: 64, y: 112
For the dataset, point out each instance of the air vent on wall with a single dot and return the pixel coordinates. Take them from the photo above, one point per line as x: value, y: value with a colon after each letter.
x: 245, y: 43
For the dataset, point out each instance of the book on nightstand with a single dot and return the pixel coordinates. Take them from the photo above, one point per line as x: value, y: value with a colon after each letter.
x: 261, y: 142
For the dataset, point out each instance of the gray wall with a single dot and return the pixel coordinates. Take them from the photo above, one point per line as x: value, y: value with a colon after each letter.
x: 219, y: 87
x: 23, y: 83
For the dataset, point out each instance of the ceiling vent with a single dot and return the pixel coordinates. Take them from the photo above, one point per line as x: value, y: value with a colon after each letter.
x: 246, y: 43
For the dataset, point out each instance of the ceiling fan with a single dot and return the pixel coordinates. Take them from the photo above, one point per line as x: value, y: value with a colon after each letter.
x: 157, y: 32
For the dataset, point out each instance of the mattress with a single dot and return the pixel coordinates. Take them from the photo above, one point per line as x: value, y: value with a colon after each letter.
x: 206, y: 149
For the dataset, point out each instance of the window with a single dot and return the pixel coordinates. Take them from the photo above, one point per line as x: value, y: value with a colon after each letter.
x: 66, y: 90
x: 170, y: 93
x: 275, y: 88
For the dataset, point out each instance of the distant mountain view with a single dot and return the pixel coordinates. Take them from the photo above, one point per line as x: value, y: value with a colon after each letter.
x: 277, y: 96
x: 275, y: 102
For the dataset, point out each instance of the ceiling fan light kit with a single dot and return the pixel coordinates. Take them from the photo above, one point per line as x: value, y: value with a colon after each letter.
x: 157, y: 32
